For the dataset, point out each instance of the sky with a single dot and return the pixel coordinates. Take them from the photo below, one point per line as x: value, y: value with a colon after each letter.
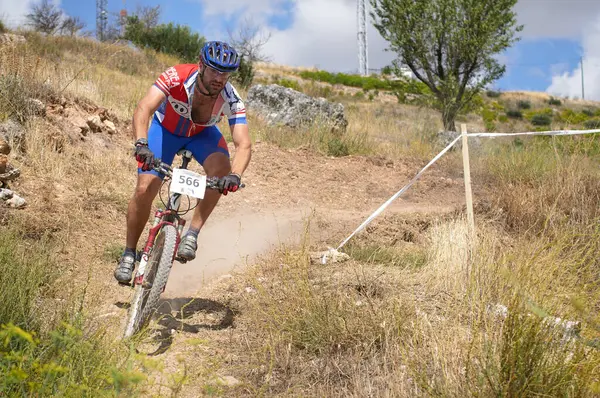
x: 558, y: 35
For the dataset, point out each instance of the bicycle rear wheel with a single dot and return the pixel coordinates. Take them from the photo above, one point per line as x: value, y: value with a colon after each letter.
x: 146, y: 295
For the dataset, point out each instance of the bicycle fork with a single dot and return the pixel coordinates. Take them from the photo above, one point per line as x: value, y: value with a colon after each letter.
x: 156, y: 226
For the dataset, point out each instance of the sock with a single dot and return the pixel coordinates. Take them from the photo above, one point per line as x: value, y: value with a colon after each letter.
x: 193, y: 232
x: 129, y: 251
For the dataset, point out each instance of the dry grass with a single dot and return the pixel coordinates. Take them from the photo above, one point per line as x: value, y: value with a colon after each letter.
x: 366, y: 329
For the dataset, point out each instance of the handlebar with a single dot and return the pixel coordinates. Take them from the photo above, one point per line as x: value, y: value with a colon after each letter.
x: 166, y: 170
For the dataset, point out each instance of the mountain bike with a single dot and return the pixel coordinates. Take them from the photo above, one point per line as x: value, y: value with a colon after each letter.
x: 156, y: 259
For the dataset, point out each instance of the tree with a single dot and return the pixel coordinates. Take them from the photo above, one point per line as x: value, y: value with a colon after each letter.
x: 71, y: 26
x: 449, y: 45
x: 148, y: 16
x: 45, y: 17
x: 172, y: 39
x: 248, y: 41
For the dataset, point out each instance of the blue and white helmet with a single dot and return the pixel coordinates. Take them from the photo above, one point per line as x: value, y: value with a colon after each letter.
x: 220, y: 56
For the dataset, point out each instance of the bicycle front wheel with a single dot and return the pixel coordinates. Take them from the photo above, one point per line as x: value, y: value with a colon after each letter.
x: 157, y: 272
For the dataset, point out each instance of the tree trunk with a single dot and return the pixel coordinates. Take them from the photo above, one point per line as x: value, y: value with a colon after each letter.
x: 448, y: 116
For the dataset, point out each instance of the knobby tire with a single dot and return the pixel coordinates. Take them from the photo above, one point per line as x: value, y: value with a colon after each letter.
x: 157, y: 272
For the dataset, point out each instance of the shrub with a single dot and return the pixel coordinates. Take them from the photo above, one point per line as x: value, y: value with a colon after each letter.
x: 2, y: 27
x: 178, y: 40
x: 514, y: 114
x: 554, y: 101
x: 571, y: 117
x: 589, y: 112
x: 592, y: 124
x: 541, y: 119
x: 337, y: 148
x: 289, y: 83
x: 40, y: 358
x: 524, y: 104
x: 364, y: 82
x: 245, y: 74
x: 493, y: 94
x: 503, y: 118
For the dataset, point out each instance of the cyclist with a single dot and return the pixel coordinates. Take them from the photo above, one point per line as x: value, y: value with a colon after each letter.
x: 185, y: 103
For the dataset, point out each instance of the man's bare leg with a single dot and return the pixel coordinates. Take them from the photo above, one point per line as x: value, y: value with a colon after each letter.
x: 139, y: 208
x: 215, y: 165
x: 138, y: 213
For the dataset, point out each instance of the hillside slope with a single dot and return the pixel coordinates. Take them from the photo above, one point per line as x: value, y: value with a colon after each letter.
x: 253, y: 315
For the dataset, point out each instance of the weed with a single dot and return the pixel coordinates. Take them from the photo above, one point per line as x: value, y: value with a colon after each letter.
x: 523, y: 104
x: 514, y: 114
x: 554, y: 101
x: 541, y: 120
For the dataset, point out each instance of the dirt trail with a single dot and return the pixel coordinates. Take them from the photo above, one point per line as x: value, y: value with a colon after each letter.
x: 230, y: 242
x: 283, y: 188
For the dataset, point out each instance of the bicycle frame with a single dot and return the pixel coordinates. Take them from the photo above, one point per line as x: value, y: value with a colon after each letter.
x: 161, y: 218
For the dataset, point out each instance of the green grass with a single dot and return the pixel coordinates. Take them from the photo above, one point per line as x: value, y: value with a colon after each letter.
x: 364, y: 82
x: 388, y: 256
x: 319, y: 138
x: 45, y: 348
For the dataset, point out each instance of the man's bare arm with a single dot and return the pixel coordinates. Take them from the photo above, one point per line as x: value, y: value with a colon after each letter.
x: 144, y: 111
x: 243, y: 148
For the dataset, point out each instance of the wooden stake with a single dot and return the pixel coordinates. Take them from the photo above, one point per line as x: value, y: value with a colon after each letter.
x: 467, y: 174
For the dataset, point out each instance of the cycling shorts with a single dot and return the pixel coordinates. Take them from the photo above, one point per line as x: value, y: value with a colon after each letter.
x: 165, y: 144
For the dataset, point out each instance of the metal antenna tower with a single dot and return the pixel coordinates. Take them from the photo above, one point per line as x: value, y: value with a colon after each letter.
x: 101, y: 19
x: 363, y: 62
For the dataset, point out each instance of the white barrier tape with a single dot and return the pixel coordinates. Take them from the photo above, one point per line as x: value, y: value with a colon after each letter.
x: 557, y: 132
x: 439, y: 155
x: 397, y: 194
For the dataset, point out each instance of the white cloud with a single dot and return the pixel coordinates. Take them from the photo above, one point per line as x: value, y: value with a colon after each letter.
x: 324, y: 34
x: 555, y: 18
x: 569, y: 83
x: 13, y: 11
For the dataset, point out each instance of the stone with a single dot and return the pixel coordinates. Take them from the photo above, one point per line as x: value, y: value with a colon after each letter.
x: 11, y: 39
x: 110, y: 127
x: 3, y: 163
x: 279, y: 105
x: 4, y: 146
x: 329, y: 256
x: 36, y: 107
x: 95, y: 123
x: 12, y: 132
x: 228, y: 381
x: 12, y: 199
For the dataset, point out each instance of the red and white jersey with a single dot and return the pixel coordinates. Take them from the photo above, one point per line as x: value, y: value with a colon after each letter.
x: 175, y: 113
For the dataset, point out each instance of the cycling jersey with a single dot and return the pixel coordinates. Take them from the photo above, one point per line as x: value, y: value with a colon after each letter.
x: 175, y: 113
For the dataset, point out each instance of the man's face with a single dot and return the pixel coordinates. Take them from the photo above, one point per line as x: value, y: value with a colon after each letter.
x: 213, y: 80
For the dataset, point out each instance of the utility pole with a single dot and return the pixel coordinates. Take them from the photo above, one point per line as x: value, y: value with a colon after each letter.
x: 101, y: 19
x: 363, y: 62
x: 582, y: 88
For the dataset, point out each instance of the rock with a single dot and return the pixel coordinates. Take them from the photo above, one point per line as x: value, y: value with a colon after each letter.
x: 95, y: 123
x: 329, y: 256
x: 11, y: 39
x: 14, y: 133
x: 228, y: 381
x: 4, y: 147
x: 444, y: 138
x: 9, y: 174
x: 12, y: 199
x: 280, y: 105
x: 110, y: 127
x: 36, y: 107
x: 16, y: 202
x: 3, y: 163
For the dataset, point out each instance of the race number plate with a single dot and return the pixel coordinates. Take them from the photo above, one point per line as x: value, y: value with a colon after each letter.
x: 187, y: 182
